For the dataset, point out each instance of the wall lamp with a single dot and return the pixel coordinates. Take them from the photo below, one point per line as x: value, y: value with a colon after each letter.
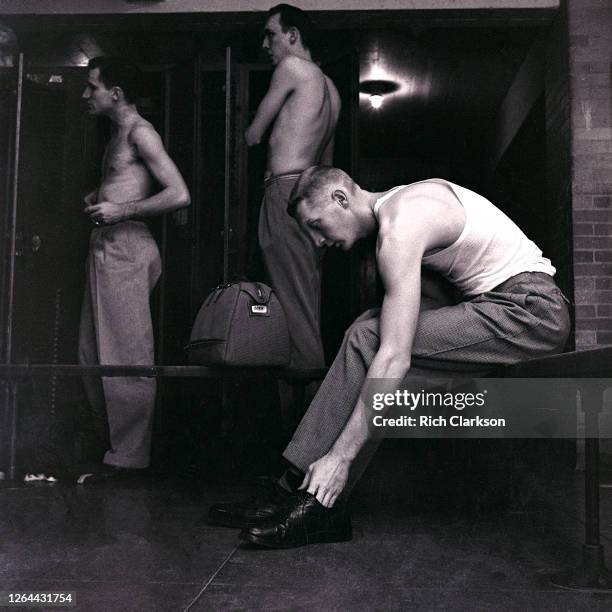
x: 377, y: 90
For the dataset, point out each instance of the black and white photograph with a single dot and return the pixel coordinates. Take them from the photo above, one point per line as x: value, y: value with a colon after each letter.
x: 306, y: 306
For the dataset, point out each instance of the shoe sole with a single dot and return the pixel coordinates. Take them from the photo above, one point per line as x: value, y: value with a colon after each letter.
x: 222, y: 520
x: 235, y: 524
x: 245, y: 536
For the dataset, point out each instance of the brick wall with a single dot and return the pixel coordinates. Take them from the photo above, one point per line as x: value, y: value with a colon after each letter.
x: 590, y: 70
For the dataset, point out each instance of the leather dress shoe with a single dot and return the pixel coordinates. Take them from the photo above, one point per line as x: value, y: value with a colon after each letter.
x: 302, y: 521
x: 243, y: 514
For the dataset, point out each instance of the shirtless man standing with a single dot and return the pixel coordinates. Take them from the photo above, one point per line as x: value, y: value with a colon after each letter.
x: 304, y: 106
x: 138, y: 180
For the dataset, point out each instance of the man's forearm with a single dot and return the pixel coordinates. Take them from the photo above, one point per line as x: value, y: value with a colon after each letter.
x: 355, y: 434
x: 280, y: 87
x: 167, y: 200
x: 91, y: 197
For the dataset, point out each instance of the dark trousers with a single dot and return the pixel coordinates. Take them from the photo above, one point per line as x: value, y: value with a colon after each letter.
x: 293, y: 268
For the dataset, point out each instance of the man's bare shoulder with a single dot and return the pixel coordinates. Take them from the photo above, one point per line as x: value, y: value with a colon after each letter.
x: 417, y: 195
x: 298, y: 66
x: 143, y: 131
x: 413, y: 203
x: 426, y: 212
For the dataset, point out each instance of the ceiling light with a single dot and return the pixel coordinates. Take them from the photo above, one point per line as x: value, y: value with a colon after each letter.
x: 376, y: 100
x: 377, y: 90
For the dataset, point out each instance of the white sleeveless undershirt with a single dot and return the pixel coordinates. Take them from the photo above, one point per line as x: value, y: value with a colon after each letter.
x: 490, y: 250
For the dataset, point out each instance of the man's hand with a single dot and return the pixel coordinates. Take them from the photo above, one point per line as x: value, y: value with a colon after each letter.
x: 106, y: 213
x: 326, y: 478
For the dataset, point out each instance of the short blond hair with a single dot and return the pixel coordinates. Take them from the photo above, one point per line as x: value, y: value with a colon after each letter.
x: 312, y: 184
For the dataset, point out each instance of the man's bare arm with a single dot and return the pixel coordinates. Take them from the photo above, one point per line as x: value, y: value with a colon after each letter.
x: 91, y: 197
x: 399, y: 260
x: 173, y: 195
x: 283, y: 83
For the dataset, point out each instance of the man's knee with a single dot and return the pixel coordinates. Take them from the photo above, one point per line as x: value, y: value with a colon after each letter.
x: 364, y: 331
x: 371, y: 313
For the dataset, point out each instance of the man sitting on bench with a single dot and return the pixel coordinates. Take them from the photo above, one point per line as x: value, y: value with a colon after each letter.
x: 511, y: 310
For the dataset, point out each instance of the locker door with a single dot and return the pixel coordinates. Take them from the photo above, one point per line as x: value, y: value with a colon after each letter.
x: 182, y: 138
x: 37, y: 294
x: 8, y: 105
x: 58, y: 157
x: 199, y: 240
x: 235, y: 213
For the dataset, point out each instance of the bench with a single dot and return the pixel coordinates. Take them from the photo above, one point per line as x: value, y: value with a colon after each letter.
x: 596, y: 363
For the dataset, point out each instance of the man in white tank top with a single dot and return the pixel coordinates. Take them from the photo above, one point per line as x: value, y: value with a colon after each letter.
x: 511, y: 311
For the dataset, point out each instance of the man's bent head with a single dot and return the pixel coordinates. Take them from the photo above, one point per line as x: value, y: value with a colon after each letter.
x: 324, y: 202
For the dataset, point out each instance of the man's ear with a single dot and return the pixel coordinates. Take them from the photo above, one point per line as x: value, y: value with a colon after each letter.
x: 116, y: 93
x: 340, y: 197
x: 294, y: 35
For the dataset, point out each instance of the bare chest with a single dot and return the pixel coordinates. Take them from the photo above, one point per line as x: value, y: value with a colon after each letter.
x: 119, y: 156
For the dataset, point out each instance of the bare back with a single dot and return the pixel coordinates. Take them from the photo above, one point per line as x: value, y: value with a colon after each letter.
x: 304, y: 127
x: 125, y: 177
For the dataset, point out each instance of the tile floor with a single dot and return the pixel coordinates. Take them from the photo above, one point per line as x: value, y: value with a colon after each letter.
x: 420, y: 543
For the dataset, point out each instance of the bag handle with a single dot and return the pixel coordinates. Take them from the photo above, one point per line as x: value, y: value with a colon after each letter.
x: 259, y: 292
